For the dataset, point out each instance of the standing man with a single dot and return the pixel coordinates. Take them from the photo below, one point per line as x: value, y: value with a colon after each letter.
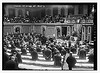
x: 71, y: 61
x: 64, y: 60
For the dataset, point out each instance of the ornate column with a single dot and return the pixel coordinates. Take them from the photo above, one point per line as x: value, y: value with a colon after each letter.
x: 76, y: 10
x: 16, y: 12
x: 46, y: 11
x: 6, y: 11
x: 59, y: 10
x: 51, y: 11
x: 23, y: 11
x: 66, y: 11
x: 85, y: 9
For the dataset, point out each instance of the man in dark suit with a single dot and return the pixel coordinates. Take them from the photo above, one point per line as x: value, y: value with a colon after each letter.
x: 34, y: 54
x: 18, y: 55
x: 57, y: 59
x: 47, y: 54
x: 82, y: 54
x: 5, y: 59
x: 11, y: 65
x: 71, y: 61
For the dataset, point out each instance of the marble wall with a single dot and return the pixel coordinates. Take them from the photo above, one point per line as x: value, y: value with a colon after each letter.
x: 50, y: 29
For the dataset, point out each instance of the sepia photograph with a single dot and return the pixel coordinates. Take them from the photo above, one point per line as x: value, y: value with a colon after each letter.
x: 49, y: 36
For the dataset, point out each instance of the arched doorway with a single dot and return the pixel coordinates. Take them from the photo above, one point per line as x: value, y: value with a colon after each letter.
x: 64, y: 31
x: 17, y: 29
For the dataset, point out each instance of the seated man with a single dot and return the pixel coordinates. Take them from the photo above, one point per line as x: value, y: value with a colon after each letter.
x: 30, y: 47
x: 12, y: 45
x: 34, y: 55
x: 73, y: 50
x: 23, y: 50
x: 18, y: 55
x: 11, y: 65
x: 13, y: 51
x: 47, y: 54
x: 5, y: 59
x: 38, y: 49
x: 82, y: 54
x: 57, y: 59
x: 91, y: 58
x: 16, y: 42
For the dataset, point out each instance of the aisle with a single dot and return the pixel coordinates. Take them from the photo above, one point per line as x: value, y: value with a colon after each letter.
x: 42, y: 64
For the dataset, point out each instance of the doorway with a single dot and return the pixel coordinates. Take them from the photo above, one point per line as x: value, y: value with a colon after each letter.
x: 17, y: 29
x: 64, y: 31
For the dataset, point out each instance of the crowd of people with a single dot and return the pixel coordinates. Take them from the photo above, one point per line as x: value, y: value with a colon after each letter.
x: 46, y: 19
x: 17, y: 44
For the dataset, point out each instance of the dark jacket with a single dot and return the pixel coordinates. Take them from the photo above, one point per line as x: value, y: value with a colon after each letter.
x: 82, y: 53
x: 47, y: 52
x: 34, y: 55
x: 11, y: 65
x: 57, y: 60
x: 71, y: 61
x: 19, y: 57
x: 5, y: 59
